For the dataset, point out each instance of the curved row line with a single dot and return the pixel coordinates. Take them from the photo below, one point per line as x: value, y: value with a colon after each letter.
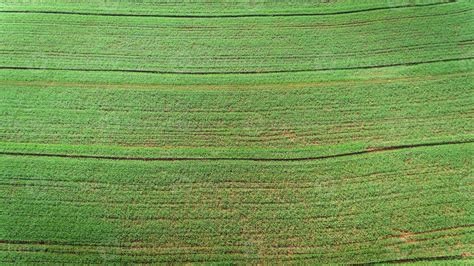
x: 235, y: 72
x: 222, y: 16
x: 372, y: 150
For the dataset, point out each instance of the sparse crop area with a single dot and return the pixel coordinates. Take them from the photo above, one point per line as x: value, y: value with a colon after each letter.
x: 260, y: 132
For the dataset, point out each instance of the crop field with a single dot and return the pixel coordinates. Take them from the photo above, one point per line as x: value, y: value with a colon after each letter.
x: 236, y: 132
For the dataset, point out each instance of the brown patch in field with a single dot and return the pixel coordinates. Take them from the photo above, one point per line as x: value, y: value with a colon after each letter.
x: 291, y: 135
x: 407, y: 235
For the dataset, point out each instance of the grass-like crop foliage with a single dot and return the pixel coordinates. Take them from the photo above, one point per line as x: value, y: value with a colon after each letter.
x: 259, y: 132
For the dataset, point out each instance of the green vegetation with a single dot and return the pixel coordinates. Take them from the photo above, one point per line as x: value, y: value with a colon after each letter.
x: 236, y: 133
x: 359, y: 209
x: 235, y: 45
x: 209, y: 8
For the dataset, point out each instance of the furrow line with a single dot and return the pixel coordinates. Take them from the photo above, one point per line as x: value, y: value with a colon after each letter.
x: 223, y: 16
x: 235, y: 72
x: 369, y: 150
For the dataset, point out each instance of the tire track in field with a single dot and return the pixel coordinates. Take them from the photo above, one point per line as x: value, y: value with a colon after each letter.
x: 379, y: 51
x: 184, y: 250
x: 237, y: 72
x: 265, y: 86
x: 407, y: 234
x: 223, y: 16
x: 369, y: 150
x: 419, y: 259
x: 320, y: 25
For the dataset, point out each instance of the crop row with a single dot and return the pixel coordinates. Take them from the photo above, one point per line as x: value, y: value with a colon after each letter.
x: 394, y: 204
x: 242, y: 45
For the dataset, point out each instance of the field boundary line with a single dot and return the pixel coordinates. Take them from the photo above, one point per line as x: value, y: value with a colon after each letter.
x: 118, y: 158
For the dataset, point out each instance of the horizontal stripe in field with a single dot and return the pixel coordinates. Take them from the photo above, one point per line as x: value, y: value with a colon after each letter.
x: 294, y: 110
x: 358, y: 8
x: 414, y: 198
x: 371, y: 150
x: 261, y: 132
x: 235, y: 73
x: 243, y: 46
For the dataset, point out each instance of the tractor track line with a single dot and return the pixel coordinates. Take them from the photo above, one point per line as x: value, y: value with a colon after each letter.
x: 294, y: 85
x: 436, y: 230
x: 371, y: 150
x: 235, y: 72
x: 223, y: 16
x: 420, y: 259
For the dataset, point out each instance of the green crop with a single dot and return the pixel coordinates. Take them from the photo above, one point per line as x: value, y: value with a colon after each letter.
x: 260, y: 132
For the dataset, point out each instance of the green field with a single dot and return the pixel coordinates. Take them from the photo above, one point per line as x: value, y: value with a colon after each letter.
x: 226, y: 132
